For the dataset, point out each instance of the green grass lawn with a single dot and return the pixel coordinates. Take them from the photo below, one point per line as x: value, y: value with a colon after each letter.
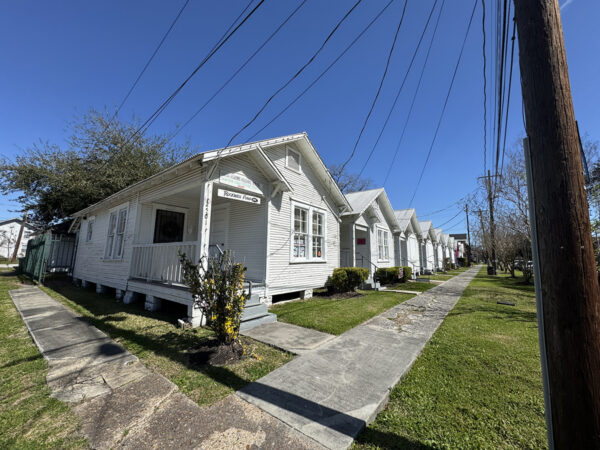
x: 29, y: 417
x: 419, y: 286
x: 162, y: 346
x: 478, y: 381
x: 335, y: 316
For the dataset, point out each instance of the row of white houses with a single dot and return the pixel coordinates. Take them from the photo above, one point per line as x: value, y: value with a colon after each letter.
x: 272, y: 203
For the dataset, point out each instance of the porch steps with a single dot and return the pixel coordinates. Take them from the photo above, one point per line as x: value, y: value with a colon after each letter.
x: 255, y: 313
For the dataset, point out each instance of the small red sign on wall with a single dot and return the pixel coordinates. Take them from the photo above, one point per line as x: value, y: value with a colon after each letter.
x: 361, y: 241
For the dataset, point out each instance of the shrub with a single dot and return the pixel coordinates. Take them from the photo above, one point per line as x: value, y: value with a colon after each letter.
x: 217, y: 287
x: 346, y: 279
x: 461, y: 262
x: 389, y: 275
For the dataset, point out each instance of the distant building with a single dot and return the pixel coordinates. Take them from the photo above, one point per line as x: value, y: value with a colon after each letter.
x: 460, y: 244
x: 9, y: 234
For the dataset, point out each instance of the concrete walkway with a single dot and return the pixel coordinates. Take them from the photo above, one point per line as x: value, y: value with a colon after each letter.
x: 123, y: 404
x: 288, y: 337
x: 332, y: 392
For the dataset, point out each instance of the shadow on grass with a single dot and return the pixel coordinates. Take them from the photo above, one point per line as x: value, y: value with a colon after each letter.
x: 385, y: 440
x: 501, y: 312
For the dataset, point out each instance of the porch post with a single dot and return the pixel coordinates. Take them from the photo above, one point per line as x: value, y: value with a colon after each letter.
x: 204, y: 219
x: 353, y: 247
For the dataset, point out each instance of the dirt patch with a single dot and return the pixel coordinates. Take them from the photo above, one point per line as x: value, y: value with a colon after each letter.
x: 216, y: 355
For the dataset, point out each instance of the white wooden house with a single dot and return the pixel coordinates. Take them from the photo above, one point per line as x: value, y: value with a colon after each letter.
x: 428, y: 240
x: 407, y: 240
x: 438, y: 250
x: 452, y: 249
x: 272, y: 203
x: 9, y: 235
x: 367, y: 231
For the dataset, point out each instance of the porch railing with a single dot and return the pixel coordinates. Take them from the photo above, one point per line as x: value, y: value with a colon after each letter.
x: 160, y: 262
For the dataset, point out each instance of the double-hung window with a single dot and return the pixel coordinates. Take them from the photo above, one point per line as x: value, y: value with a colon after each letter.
x: 309, y: 233
x: 383, y: 244
x: 116, y: 233
x: 90, y: 230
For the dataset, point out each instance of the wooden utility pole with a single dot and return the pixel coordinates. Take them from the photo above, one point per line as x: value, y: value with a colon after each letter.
x: 468, y: 236
x: 492, y: 224
x: 570, y: 295
x: 16, y: 250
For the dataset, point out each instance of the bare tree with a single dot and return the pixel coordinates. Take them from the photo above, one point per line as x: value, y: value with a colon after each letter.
x: 349, y: 182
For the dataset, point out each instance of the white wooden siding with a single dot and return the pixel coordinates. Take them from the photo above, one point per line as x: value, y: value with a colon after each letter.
x: 285, y: 276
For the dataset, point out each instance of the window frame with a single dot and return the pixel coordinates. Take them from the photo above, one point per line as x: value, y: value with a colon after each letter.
x: 178, y: 209
x: 385, y: 244
x: 289, y: 150
x: 113, y: 235
x: 308, y: 254
x: 89, y: 231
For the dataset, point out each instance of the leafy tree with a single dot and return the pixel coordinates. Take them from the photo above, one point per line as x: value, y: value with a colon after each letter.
x: 349, y: 182
x: 101, y: 157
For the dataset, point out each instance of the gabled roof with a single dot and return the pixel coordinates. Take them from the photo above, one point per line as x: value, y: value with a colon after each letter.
x: 362, y: 200
x: 445, y: 238
x: 258, y: 155
x: 426, y: 229
x: 438, y: 234
x: 17, y: 220
x: 405, y: 217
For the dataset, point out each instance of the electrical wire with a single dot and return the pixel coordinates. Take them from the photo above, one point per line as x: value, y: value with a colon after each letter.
x: 414, y: 98
x: 400, y: 88
x: 445, y: 104
x: 484, y: 90
x: 260, y: 47
x: 289, y: 105
x: 298, y: 72
x: 226, y: 36
x: 512, y: 54
x: 450, y: 220
x: 383, y: 76
x: 149, y: 61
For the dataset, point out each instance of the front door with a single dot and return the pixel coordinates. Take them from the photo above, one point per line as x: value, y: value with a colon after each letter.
x: 219, y: 226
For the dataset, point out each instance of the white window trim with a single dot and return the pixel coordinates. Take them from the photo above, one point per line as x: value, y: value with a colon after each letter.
x: 288, y: 149
x: 308, y: 258
x: 90, y: 237
x: 384, y: 230
x: 117, y: 210
x: 179, y: 209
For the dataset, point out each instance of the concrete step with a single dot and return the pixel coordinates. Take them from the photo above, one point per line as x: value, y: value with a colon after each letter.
x: 253, y: 311
x: 249, y: 324
x: 254, y: 299
x: 370, y: 284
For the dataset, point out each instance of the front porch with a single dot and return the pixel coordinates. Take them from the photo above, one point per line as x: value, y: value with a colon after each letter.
x: 199, y: 221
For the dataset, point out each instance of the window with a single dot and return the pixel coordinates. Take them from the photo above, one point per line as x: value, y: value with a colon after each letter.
x: 383, y: 244
x: 90, y: 230
x: 116, y: 234
x: 292, y: 159
x: 300, y: 232
x: 168, y: 226
x: 309, y: 234
x: 317, y: 234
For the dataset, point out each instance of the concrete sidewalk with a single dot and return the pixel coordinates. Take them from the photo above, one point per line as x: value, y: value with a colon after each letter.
x: 332, y: 392
x: 123, y: 404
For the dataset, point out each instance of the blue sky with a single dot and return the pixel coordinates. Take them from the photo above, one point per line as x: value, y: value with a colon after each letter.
x: 61, y: 58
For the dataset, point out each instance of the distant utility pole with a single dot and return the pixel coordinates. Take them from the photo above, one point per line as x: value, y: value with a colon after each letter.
x: 16, y: 250
x: 488, y: 184
x: 468, y: 235
x: 570, y: 295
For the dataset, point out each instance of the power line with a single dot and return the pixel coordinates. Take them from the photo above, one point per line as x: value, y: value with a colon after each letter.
x: 289, y: 105
x: 512, y: 54
x: 414, y: 98
x: 383, y: 76
x: 445, y: 103
x: 450, y: 220
x: 500, y: 105
x: 226, y: 36
x: 484, y: 91
x: 298, y: 72
x: 148, y: 62
x: 399, y: 89
x: 240, y: 68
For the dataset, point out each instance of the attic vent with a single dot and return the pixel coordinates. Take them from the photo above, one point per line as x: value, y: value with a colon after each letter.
x: 292, y: 159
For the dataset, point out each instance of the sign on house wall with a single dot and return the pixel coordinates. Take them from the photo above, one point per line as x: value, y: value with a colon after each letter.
x: 238, y: 196
x: 240, y: 181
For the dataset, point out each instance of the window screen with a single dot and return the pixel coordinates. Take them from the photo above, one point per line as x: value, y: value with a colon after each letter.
x: 168, y: 226
x: 293, y: 160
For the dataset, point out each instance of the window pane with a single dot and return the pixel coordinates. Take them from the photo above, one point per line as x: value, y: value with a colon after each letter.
x: 300, y: 220
x: 293, y: 160
x: 317, y: 247
x: 122, y: 221
x: 317, y: 224
x: 168, y: 226
x: 299, y: 245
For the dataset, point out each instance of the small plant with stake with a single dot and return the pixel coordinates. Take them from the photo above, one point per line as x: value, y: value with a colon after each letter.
x: 217, y: 287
